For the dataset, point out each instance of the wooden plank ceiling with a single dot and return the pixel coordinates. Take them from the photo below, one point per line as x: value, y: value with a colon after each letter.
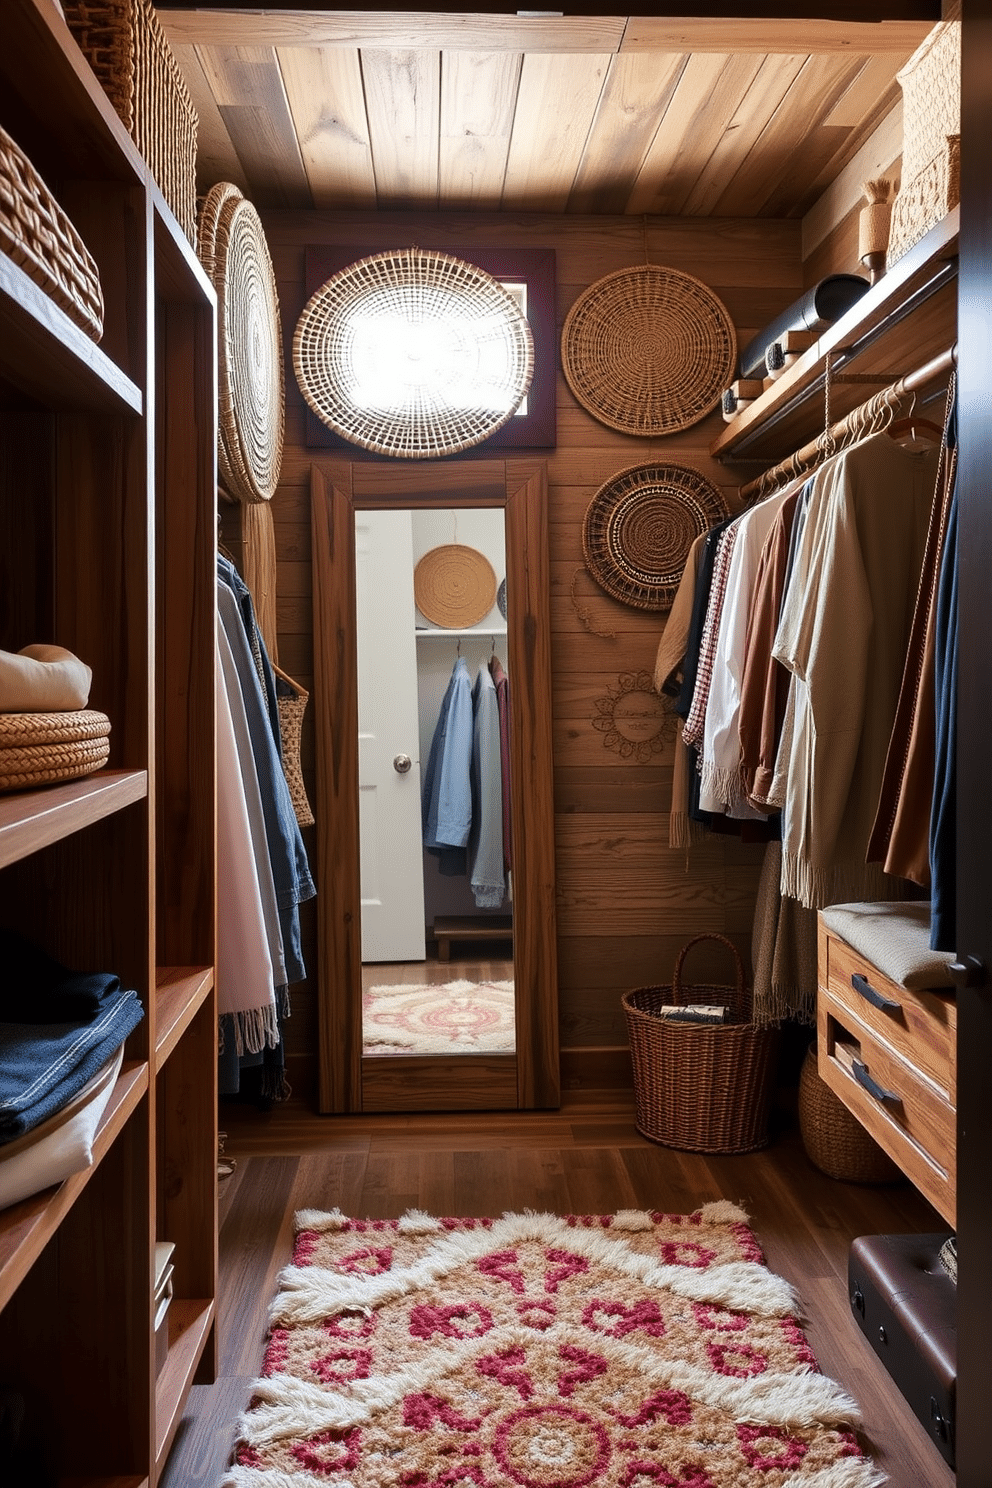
x: 641, y: 115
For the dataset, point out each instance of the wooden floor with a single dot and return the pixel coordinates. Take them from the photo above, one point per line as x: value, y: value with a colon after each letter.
x: 585, y: 1158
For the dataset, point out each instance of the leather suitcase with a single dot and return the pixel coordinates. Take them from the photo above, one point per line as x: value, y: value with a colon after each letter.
x: 904, y: 1302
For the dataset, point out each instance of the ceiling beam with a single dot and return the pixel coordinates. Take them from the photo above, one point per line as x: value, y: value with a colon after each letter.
x: 482, y: 32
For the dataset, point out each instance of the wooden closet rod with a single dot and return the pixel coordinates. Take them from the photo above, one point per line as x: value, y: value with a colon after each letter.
x: 811, y: 454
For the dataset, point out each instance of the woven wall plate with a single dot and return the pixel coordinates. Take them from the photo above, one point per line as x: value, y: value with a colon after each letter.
x: 414, y: 354
x: 251, y: 386
x: 648, y: 350
x: 454, y: 586
x: 639, y: 527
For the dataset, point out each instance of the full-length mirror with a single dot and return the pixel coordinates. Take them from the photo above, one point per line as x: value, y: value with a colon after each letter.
x: 434, y: 786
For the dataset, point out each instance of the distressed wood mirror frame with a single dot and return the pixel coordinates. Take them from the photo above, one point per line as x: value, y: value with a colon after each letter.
x: 530, y: 1078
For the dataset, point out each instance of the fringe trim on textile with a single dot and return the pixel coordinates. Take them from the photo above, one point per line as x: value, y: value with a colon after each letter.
x: 726, y: 786
x: 841, y: 884
x: 684, y: 831
x: 254, y: 1030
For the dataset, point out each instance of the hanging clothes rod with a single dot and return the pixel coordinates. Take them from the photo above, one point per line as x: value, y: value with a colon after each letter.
x: 812, y: 454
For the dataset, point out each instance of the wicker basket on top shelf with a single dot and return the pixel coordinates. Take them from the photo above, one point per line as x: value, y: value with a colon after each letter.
x: 931, y: 148
x: 37, y: 235
x: 128, y: 51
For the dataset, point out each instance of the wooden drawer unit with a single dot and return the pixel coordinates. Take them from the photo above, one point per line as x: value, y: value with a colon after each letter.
x: 889, y: 1053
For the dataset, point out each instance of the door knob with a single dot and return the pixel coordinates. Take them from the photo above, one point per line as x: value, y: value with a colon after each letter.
x: 402, y: 763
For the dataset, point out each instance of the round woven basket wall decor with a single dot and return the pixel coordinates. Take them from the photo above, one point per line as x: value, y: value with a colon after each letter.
x: 413, y: 353
x: 648, y: 350
x: 251, y: 385
x: 454, y: 586
x: 639, y: 527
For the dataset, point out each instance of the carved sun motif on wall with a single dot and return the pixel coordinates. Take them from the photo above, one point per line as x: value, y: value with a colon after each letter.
x: 634, y: 720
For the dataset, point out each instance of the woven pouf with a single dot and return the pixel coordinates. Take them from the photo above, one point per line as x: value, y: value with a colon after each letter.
x: 835, y: 1141
x: 43, y: 748
x: 648, y: 350
x: 251, y: 387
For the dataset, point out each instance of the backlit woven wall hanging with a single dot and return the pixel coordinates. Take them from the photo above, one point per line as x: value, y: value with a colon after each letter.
x: 251, y: 387
x: 413, y: 353
x: 454, y: 586
x: 639, y: 527
x: 648, y: 350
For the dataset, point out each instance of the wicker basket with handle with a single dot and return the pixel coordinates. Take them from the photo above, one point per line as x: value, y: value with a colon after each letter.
x: 834, y: 1139
x: 701, y: 1087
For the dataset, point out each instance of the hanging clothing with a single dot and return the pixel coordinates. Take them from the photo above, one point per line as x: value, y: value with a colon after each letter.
x: 502, y: 684
x: 245, y: 982
x: 696, y: 716
x: 485, y: 853
x: 764, y: 680
x: 843, y: 635
x: 721, y: 787
x: 669, y: 671
x: 901, y: 835
x: 447, y: 789
x: 943, y: 816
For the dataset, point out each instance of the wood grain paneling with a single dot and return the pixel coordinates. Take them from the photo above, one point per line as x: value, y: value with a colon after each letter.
x: 625, y: 902
x: 478, y: 100
x: 402, y: 92
x: 324, y: 88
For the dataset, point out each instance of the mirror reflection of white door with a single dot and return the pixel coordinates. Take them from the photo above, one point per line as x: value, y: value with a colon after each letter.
x: 391, y: 839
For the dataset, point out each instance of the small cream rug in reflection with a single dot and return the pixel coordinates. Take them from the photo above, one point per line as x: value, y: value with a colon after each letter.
x: 445, y: 1018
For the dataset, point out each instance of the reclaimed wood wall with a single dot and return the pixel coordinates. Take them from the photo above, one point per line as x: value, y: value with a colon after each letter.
x: 626, y: 901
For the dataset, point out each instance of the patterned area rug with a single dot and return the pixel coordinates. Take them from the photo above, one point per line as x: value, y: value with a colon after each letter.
x: 447, y: 1018
x: 636, y: 1350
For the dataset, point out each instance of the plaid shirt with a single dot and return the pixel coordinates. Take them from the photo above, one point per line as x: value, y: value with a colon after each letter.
x: 692, y: 733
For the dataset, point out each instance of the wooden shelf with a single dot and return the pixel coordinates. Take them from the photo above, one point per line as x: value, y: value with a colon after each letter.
x: 27, y: 1227
x: 190, y: 1321
x: 30, y: 820
x: 52, y: 359
x: 180, y: 992
x: 901, y: 322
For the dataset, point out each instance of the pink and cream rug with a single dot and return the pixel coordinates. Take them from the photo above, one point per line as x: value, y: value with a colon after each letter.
x: 448, y: 1018
x: 635, y: 1350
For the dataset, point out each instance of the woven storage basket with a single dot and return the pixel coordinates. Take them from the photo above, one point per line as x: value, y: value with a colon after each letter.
x: 835, y: 1141
x: 38, y: 236
x: 127, y: 49
x: 292, y: 700
x: 701, y: 1087
x: 251, y: 391
x: 42, y: 748
x: 931, y: 145
x: 648, y: 350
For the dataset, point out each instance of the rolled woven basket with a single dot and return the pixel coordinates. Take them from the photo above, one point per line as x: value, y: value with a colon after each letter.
x: 44, y: 748
x: 835, y: 1141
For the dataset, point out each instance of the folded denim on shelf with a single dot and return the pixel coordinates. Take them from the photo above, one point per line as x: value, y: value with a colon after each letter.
x: 35, y: 988
x: 43, y: 1065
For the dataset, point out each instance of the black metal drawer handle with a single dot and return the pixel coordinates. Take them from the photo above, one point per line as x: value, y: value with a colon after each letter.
x: 864, y: 1079
x: 865, y: 989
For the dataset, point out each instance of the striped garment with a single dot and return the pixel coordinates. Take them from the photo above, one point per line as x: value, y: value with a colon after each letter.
x: 692, y: 733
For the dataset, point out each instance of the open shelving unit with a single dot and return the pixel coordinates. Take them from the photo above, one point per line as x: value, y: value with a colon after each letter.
x: 108, y: 547
x: 901, y: 322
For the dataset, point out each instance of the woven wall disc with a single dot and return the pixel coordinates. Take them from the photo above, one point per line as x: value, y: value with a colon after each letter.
x: 251, y: 385
x: 413, y: 354
x: 454, y: 586
x: 639, y: 527
x: 648, y: 350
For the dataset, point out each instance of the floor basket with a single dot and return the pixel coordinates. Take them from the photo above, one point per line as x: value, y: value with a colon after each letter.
x: 701, y: 1087
x: 835, y: 1141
